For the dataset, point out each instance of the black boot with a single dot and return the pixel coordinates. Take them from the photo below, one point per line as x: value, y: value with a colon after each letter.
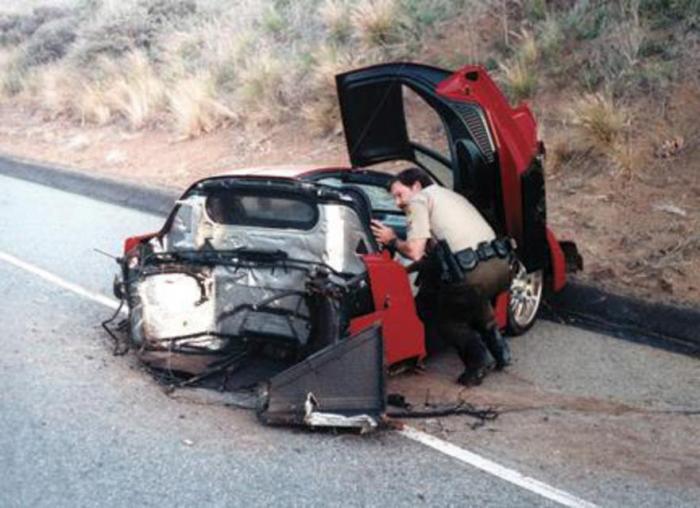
x: 498, y: 347
x: 472, y: 377
x: 477, y: 360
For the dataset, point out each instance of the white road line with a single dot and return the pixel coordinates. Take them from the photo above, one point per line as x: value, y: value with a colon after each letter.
x: 495, y: 469
x: 55, y: 279
x: 449, y: 449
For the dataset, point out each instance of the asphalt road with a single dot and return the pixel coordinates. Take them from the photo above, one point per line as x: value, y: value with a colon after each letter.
x: 79, y: 427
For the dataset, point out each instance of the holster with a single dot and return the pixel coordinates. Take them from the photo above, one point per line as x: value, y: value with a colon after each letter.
x: 450, y: 271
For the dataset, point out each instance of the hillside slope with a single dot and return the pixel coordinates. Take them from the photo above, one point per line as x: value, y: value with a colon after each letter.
x: 164, y: 91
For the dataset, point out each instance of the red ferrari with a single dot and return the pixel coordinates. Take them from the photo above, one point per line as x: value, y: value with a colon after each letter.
x: 272, y: 274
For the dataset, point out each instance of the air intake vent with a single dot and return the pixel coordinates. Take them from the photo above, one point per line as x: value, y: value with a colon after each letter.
x: 477, y: 128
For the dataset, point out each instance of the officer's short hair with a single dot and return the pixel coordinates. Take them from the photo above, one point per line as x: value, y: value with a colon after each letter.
x: 409, y: 176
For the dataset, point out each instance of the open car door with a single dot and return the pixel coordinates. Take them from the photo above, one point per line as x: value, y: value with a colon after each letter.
x: 492, y: 157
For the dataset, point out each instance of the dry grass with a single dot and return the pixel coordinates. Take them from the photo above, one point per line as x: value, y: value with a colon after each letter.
x: 519, y: 78
x: 550, y: 37
x: 54, y: 88
x: 135, y: 91
x: 262, y: 88
x: 335, y: 15
x: 377, y: 23
x: 600, y: 122
x: 519, y: 74
x: 92, y: 106
x: 603, y: 126
x: 192, y: 63
x: 630, y: 34
x: 560, y: 153
x: 322, y: 113
x: 528, y: 52
x: 12, y: 76
x: 195, y: 107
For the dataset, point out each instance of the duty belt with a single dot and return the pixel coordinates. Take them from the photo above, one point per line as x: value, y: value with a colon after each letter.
x: 469, y: 258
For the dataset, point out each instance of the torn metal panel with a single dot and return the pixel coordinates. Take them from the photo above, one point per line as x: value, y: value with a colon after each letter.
x: 315, y: 418
x: 345, y: 380
x: 176, y: 304
x: 186, y: 296
x: 332, y: 240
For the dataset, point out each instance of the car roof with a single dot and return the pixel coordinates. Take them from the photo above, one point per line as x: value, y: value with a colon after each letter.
x: 283, y: 170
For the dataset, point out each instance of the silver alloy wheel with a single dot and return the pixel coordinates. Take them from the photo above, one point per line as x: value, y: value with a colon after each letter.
x: 525, y: 296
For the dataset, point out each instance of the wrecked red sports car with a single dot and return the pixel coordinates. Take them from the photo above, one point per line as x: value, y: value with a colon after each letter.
x: 272, y: 275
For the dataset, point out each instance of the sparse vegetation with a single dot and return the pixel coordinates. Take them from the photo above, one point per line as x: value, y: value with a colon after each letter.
x: 378, y: 23
x: 196, y: 65
x: 614, y: 86
x: 520, y: 73
x: 599, y: 119
x: 195, y: 107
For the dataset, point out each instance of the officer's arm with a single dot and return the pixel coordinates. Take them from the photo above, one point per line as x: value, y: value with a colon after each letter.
x: 413, y: 249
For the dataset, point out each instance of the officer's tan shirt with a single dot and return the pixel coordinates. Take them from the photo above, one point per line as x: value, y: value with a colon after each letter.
x: 442, y: 214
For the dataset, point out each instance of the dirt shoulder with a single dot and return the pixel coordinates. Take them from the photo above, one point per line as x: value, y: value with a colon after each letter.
x: 639, y: 235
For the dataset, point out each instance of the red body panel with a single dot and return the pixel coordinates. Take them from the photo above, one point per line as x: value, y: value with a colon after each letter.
x: 558, y: 262
x: 514, y: 133
x: 395, y: 308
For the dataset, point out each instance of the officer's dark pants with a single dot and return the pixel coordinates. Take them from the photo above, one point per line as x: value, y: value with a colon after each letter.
x: 464, y: 313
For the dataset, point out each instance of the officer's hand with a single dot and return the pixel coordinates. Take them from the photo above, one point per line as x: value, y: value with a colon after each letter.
x: 382, y: 233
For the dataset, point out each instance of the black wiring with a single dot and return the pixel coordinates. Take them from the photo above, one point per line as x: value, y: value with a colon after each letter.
x: 121, y: 347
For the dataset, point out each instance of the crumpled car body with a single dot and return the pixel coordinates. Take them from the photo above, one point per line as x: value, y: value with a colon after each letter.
x: 265, y: 274
x: 272, y: 276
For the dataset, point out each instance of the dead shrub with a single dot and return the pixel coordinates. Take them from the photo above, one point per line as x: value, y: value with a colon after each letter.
x: 262, y: 87
x: 13, y: 75
x: 195, y: 108
x: 519, y: 78
x: 527, y: 52
x: 603, y: 127
x: 519, y: 74
x: 321, y: 112
x: 550, y: 38
x: 53, y: 87
x: 600, y: 122
x: 17, y: 28
x: 92, y: 105
x: 169, y: 12
x: 377, y: 23
x: 115, y: 36
x: 335, y: 15
x: 560, y: 153
x: 135, y: 91
x: 50, y: 42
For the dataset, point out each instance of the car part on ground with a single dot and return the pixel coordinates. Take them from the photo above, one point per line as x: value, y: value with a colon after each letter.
x: 340, y: 386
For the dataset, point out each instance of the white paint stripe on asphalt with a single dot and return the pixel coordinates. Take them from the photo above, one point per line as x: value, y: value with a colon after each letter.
x: 454, y: 451
x: 55, y: 279
x: 495, y: 469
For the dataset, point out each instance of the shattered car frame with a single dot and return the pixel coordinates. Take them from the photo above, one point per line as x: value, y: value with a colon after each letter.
x: 271, y: 276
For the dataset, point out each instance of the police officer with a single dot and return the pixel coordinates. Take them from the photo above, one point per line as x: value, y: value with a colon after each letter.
x: 464, y: 315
